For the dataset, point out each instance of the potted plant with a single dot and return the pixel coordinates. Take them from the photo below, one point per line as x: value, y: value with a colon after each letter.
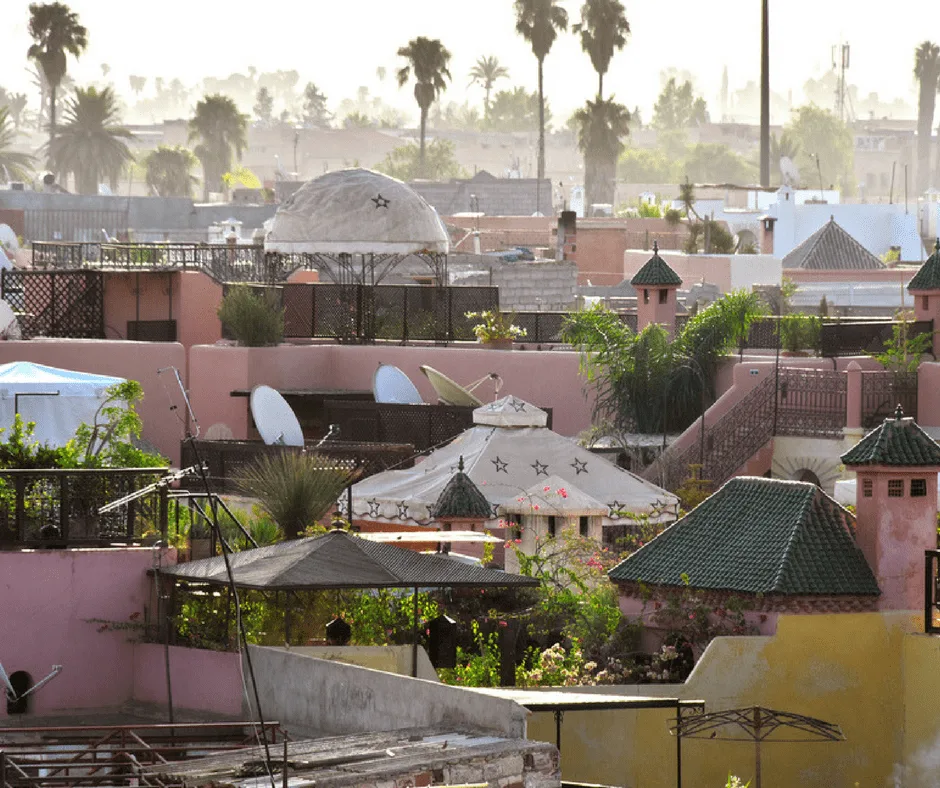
x: 495, y: 329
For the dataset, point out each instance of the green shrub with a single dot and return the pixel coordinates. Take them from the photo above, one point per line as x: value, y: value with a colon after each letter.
x: 800, y: 332
x: 253, y: 318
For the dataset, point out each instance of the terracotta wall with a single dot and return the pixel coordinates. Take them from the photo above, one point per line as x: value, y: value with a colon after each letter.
x: 501, y: 232
x: 601, y: 244
x: 201, y: 680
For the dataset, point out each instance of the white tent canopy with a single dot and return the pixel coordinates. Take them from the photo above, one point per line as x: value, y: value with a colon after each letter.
x: 57, y: 400
x: 509, y: 463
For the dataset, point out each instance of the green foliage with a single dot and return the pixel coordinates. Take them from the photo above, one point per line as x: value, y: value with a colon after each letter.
x: 800, y: 331
x: 716, y: 163
x: 735, y: 782
x: 20, y: 449
x: 440, y: 162
x: 819, y: 133
x: 386, y: 616
x: 646, y: 165
x: 678, y: 108
x: 221, y: 131
x: 603, y: 30
x: 904, y: 350
x: 169, y: 171
x: 14, y: 165
x: 254, y: 318
x: 494, y: 325
x: 516, y: 110
x: 602, y: 124
x: 484, y: 73
x: 720, y: 239
x: 295, y: 489
x: 649, y: 210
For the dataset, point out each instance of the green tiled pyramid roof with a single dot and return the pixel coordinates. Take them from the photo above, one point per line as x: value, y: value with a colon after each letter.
x: 928, y: 277
x: 897, y: 441
x: 462, y: 499
x: 758, y: 536
x: 655, y: 272
x: 831, y: 248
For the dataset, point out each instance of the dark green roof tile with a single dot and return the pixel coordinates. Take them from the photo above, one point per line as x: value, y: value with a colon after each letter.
x: 928, y: 277
x: 655, y: 272
x: 462, y: 499
x: 897, y: 441
x: 758, y: 536
x: 831, y: 248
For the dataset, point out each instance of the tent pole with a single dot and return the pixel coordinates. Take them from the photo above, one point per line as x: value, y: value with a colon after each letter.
x: 414, y: 647
x: 287, y: 618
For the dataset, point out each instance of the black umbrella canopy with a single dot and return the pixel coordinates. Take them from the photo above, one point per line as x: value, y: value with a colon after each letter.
x: 339, y: 560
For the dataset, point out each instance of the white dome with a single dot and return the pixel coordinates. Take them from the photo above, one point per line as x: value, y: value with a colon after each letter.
x: 357, y: 212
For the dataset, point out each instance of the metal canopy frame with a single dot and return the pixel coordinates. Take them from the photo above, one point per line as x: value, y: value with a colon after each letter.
x: 371, y: 268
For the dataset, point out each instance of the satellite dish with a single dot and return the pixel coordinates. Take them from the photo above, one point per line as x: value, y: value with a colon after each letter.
x: 274, y: 418
x: 789, y: 171
x: 7, y: 318
x: 448, y: 392
x: 8, y: 238
x: 390, y: 384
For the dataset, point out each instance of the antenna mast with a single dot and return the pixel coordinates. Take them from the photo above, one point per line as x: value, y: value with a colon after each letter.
x: 842, y: 91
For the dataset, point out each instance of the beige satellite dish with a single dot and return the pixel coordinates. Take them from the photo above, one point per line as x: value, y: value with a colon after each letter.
x: 449, y: 392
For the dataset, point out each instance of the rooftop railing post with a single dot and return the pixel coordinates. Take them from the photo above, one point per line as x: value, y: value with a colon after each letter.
x: 929, y: 586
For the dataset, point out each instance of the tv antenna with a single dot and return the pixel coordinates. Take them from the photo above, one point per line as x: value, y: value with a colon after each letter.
x: 840, y: 61
x: 789, y: 171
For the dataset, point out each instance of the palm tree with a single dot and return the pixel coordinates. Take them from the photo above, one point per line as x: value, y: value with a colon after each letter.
x: 538, y: 22
x: 14, y: 166
x: 169, y: 171
x: 17, y: 106
x: 927, y: 73
x: 428, y: 59
x: 484, y: 73
x: 56, y: 33
x: 785, y: 146
x: 91, y: 144
x: 221, y: 129
x: 603, y: 29
x: 137, y: 83
x: 601, y: 126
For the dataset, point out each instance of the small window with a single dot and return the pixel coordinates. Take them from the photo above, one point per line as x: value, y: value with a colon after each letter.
x: 646, y: 296
x: 918, y: 488
x: 552, y: 527
x: 583, y: 525
x: 925, y: 302
x: 663, y: 296
x: 867, y: 488
x: 895, y: 488
x: 513, y: 528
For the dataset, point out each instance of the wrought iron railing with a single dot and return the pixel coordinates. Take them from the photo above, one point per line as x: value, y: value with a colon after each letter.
x: 863, y: 337
x: 882, y: 392
x: 56, y: 303
x: 811, y: 403
x: 56, y: 507
x: 931, y: 591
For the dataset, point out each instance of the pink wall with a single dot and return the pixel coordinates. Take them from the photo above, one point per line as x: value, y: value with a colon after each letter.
x: 548, y: 378
x: 201, y: 680
x: 899, y: 275
x: 602, y: 242
x: 133, y: 360
x: 48, y: 597
x: 121, y: 302
x: 196, y: 300
x: 928, y: 395
x: 650, y: 310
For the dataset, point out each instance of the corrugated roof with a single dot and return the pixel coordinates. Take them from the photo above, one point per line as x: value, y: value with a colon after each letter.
x: 655, y: 271
x: 928, y: 277
x: 831, y: 248
x: 758, y: 536
x: 896, y: 441
x: 340, y: 560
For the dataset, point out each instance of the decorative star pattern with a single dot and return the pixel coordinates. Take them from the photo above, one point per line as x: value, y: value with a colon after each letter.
x: 381, y: 202
x: 402, y: 511
x: 501, y: 465
x: 540, y: 468
x: 495, y: 509
x: 518, y: 405
x: 373, y: 508
x: 580, y: 466
x: 615, y: 507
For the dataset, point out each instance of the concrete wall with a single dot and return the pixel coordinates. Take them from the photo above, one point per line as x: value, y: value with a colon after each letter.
x: 332, y: 698
x: 727, y: 272
x: 391, y: 659
x: 544, y: 286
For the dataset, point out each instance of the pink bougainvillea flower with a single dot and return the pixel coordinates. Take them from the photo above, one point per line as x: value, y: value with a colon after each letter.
x: 546, y: 488
x: 536, y: 507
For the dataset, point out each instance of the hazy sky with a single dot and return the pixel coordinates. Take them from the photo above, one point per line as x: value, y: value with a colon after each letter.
x: 339, y: 44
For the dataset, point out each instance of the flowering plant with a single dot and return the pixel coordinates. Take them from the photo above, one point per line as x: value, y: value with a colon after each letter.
x: 494, y: 325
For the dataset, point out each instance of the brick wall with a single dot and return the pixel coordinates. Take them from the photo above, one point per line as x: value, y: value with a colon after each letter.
x: 545, y: 286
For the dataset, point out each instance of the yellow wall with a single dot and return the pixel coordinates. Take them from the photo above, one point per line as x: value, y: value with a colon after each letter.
x: 868, y: 672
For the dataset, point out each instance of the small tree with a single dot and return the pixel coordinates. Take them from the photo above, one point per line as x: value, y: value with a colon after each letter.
x: 255, y: 319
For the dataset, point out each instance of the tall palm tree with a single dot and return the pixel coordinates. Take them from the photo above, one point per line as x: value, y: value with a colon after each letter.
x: 90, y: 143
x: 14, y: 166
x: 602, y: 124
x: 603, y: 29
x: 169, y: 171
x: 484, y: 73
x: 429, y: 59
x: 538, y: 22
x: 56, y: 33
x: 927, y: 73
x: 221, y: 130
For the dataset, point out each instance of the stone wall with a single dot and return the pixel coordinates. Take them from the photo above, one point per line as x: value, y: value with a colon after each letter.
x: 546, y: 285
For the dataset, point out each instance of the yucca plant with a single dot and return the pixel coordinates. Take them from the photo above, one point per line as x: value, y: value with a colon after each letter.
x: 296, y: 489
x: 254, y: 318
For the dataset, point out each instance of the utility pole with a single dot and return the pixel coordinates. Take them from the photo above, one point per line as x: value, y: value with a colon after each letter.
x: 764, y: 96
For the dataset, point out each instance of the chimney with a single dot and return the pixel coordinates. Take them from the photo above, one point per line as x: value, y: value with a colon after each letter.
x: 567, y: 236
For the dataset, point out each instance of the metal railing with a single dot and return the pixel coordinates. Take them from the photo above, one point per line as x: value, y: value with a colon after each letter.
x: 882, y: 392
x: 931, y: 591
x: 811, y: 403
x: 59, y: 508
x: 56, y: 303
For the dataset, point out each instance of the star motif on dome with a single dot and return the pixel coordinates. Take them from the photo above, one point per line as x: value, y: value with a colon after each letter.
x: 615, y: 507
x: 402, y: 511
x: 501, y: 465
x: 580, y: 466
x: 373, y: 508
x: 381, y: 202
x: 518, y: 405
x: 495, y: 509
x: 540, y: 469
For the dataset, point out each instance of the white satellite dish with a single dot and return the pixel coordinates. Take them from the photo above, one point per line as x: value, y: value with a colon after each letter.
x: 8, y: 238
x: 789, y: 171
x: 390, y: 384
x: 449, y: 392
x: 274, y: 418
x: 7, y: 316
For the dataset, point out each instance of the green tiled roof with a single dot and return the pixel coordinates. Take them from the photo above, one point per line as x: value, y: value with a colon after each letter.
x: 462, y: 499
x: 756, y: 536
x: 655, y: 272
x: 898, y: 441
x: 928, y: 277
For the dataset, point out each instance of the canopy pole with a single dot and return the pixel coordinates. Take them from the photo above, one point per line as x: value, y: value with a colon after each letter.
x: 287, y: 618
x: 678, y: 744
x: 757, y: 733
x: 414, y: 646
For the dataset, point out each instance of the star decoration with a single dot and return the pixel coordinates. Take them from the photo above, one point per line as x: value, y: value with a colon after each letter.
x: 540, y: 469
x: 381, y: 202
x: 580, y: 466
x: 615, y: 507
x: 518, y: 405
x: 402, y: 511
x: 495, y: 510
x: 373, y: 508
x: 501, y: 465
